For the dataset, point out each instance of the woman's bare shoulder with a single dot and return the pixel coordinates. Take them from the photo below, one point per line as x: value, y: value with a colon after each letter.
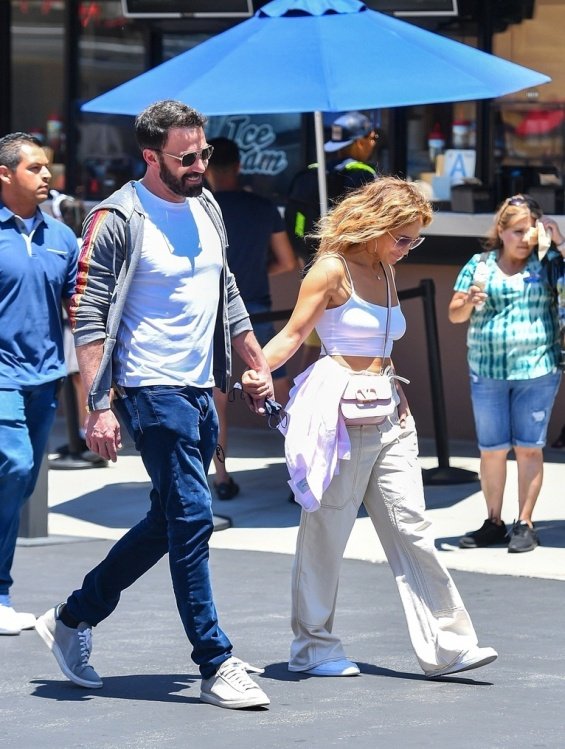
x: 332, y: 265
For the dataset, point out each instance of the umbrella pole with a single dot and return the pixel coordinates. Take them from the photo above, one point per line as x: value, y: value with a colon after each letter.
x: 321, y: 160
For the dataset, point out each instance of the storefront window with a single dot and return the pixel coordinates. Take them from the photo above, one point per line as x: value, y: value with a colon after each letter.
x: 111, y: 51
x: 37, y: 69
x: 530, y: 151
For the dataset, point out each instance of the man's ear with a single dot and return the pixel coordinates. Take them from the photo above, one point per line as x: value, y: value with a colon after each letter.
x: 5, y: 174
x: 150, y: 156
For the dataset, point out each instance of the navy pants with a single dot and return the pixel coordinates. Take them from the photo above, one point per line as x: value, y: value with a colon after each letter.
x: 175, y: 430
x: 26, y: 418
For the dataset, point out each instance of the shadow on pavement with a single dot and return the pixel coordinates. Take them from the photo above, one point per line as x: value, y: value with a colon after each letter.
x: 551, y: 534
x: 150, y: 687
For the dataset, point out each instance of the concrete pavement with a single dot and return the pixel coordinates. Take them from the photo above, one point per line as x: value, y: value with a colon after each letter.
x: 103, y: 503
x: 150, y: 696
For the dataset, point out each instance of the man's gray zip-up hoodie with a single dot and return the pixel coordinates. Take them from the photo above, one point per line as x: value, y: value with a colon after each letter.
x: 113, y: 239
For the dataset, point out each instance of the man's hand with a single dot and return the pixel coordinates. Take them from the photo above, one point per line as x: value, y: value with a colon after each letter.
x: 257, y: 386
x: 103, y: 435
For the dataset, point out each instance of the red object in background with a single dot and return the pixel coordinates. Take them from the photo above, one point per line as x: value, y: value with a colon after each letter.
x: 540, y: 122
x: 89, y: 11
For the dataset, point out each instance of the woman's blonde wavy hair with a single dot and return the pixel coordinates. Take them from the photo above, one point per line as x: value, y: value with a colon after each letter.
x: 368, y: 212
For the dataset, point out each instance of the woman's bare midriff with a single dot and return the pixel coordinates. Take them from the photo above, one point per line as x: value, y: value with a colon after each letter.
x: 374, y: 364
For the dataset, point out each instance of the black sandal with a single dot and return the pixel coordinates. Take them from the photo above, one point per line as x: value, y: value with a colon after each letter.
x: 227, y: 489
x: 559, y: 443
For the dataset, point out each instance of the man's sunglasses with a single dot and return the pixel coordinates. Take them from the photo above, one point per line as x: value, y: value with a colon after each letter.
x: 406, y: 243
x: 188, y: 159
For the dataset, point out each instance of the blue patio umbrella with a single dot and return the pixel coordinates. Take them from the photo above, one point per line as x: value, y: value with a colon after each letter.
x: 320, y: 56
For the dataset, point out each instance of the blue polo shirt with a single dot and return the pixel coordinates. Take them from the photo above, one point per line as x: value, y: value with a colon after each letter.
x: 37, y: 271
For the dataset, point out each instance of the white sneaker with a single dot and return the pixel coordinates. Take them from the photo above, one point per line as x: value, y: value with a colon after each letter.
x: 343, y: 667
x: 474, y: 658
x: 231, y: 687
x: 248, y: 667
x: 12, y: 622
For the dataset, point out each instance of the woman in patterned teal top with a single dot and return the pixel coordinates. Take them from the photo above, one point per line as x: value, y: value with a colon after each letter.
x: 513, y: 353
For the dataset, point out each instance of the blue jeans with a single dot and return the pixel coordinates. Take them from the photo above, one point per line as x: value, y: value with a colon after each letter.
x: 175, y: 429
x: 513, y: 412
x: 26, y: 418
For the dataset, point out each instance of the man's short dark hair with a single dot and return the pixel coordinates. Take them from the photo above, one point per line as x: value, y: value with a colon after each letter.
x: 153, y: 124
x: 11, y: 145
x: 226, y: 153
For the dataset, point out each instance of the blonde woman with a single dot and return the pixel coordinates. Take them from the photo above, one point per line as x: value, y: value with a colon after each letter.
x: 349, y: 296
x: 513, y: 355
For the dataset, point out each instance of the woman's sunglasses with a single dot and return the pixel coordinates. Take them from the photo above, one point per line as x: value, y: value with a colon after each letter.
x: 406, y: 243
x: 188, y: 159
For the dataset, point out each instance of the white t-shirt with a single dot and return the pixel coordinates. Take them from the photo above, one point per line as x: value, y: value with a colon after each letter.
x: 167, y: 328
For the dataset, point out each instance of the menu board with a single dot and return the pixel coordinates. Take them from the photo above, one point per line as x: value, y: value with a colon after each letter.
x: 415, y: 7
x: 179, y: 8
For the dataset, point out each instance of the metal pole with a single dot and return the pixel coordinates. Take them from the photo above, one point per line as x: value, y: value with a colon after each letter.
x: 71, y: 75
x: 321, y: 161
x: 5, y: 68
x: 436, y: 378
x: 444, y: 473
x: 485, y: 135
x: 71, y: 417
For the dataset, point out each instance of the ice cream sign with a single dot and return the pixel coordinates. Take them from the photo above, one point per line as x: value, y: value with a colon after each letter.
x: 459, y: 164
x: 255, y: 142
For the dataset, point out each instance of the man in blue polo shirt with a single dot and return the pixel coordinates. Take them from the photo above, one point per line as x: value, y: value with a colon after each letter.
x: 38, y: 259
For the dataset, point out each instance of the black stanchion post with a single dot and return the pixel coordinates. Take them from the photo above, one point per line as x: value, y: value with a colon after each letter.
x: 71, y: 417
x: 444, y: 473
x: 73, y: 455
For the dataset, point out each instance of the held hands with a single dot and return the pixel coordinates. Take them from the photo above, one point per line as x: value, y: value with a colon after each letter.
x: 257, y: 386
x: 103, y: 435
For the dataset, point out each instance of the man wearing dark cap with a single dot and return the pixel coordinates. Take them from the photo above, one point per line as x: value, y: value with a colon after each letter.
x: 351, y: 145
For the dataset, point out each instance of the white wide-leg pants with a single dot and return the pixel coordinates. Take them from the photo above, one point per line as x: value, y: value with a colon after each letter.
x: 384, y: 474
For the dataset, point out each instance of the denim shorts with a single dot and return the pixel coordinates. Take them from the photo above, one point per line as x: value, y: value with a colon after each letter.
x: 264, y: 331
x: 513, y: 412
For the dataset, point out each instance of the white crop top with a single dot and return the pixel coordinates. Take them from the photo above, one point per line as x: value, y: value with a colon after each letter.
x: 358, y: 327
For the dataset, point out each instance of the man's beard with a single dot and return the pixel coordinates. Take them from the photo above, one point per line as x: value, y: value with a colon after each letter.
x: 178, y: 186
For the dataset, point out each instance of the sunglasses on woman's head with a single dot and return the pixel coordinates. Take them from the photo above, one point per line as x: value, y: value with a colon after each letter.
x: 533, y: 206
x: 188, y: 159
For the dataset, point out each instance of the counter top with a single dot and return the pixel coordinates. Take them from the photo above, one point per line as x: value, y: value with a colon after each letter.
x: 446, y: 223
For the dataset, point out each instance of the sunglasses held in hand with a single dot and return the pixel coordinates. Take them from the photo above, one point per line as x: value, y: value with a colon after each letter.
x: 274, y: 411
